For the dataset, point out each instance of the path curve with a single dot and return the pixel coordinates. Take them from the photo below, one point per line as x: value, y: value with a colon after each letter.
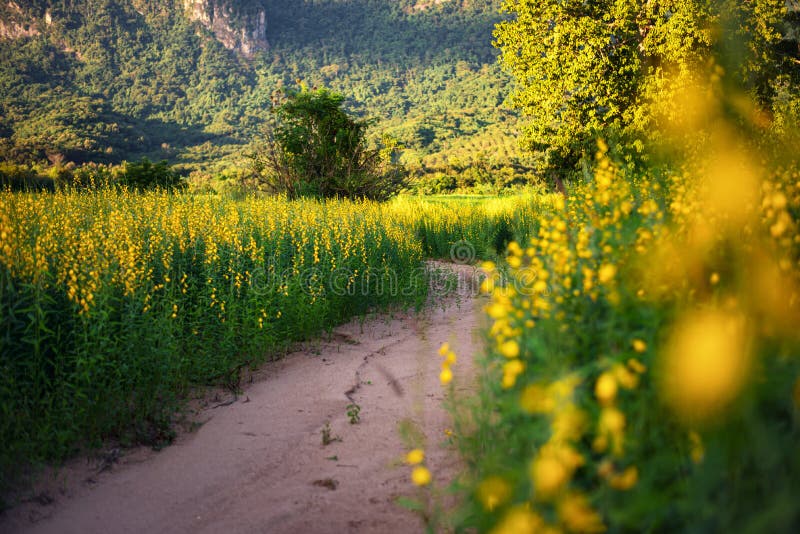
x: 259, y: 465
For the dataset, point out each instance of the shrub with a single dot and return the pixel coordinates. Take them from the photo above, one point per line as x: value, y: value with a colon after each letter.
x: 144, y: 174
x: 314, y: 148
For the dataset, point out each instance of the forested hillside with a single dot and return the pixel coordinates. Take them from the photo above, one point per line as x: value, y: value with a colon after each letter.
x: 192, y: 81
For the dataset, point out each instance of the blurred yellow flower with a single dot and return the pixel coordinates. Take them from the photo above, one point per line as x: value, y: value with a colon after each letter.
x: 612, y: 421
x: 509, y: 349
x: 697, y: 450
x: 636, y: 366
x: 625, y: 377
x: 549, y: 476
x: 511, y: 370
x: 444, y: 349
x: 415, y: 456
x: 493, y: 492
x: 704, y: 364
x: 606, y: 388
x: 600, y: 443
x: 569, y: 424
x: 497, y: 310
x: 639, y: 345
x: 606, y: 273
x: 420, y: 476
x: 535, y: 398
x: 519, y: 520
x: 576, y: 514
x: 552, y: 468
x: 446, y: 376
x: 625, y: 480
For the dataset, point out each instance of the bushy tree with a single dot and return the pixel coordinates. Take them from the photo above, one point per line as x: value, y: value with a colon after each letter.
x: 144, y: 174
x: 589, y: 69
x: 314, y: 148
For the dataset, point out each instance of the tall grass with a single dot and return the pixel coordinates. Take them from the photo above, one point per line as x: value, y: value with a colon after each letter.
x: 465, y: 228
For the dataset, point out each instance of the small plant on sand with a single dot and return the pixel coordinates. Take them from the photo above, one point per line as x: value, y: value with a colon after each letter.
x: 353, y: 411
x: 327, y: 435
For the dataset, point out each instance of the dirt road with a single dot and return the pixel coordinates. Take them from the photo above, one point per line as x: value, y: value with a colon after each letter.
x: 259, y: 464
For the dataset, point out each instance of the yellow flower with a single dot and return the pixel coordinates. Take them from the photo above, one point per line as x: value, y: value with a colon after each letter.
x: 606, y: 273
x: 626, y: 480
x: 606, y: 388
x: 446, y: 376
x: 444, y: 349
x: 563, y: 388
x: 493, y: 492
x: 568, y: 424
x: 600, y: 444
x: 697, y: 450
x: 513, y: 367
x: 450, y: 358
x: 415, y: 456
x: 624, y: 377
x: 639, y: 345
x: 420, y: 476
x: 706, y: 363
x: 552, y: 468
x: 511, y: 370
x: 536, y: 399
x: 611, y: 421
x: 549, y: 476
x: 509, y: 349
x: 636, y: 365
x: 487, y: 285
x: 576, y: 514
x: 519, y: 520
x: 497, y: 310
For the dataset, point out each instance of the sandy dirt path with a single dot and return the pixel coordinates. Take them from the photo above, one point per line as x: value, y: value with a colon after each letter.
x: 259, y: 465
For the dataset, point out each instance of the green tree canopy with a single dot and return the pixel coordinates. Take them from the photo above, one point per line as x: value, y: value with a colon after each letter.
x: 588, y: 69
x: 315, y: 148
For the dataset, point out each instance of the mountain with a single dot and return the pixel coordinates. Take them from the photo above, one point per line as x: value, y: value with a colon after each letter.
x: 193, y: 81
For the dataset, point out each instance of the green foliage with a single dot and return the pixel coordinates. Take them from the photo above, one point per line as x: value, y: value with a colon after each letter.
x: 112, y: 81
x: 353, y: 413
x: 637, y: 376
x: 315, y: 148
x: 588, y: 70
x: 22, y: 178
x: 143, y: 175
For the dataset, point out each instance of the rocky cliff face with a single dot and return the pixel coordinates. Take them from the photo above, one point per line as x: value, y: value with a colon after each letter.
x: 244, y: 32
x: 243, y: 29
x: 423, y: 5
x: 15, y: 24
